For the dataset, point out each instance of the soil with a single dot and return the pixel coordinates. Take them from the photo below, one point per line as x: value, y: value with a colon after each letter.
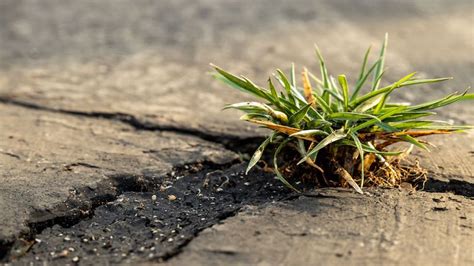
x: 155, y: 222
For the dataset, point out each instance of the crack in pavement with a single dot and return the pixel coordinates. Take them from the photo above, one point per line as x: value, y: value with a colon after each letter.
x: 230, y: 142
x: 199, y: 205
x: 83, y: 208
x: 455, y: 186
x: 84, y: 201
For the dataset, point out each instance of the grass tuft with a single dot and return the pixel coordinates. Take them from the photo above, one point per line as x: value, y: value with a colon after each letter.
x: 336, y: 135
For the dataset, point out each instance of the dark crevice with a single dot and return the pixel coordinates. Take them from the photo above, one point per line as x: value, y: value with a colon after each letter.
x: 180, y: 248
x: 83, y: 202
x: 206, y: 193
x: 452, y: 185
x: 231, y: 142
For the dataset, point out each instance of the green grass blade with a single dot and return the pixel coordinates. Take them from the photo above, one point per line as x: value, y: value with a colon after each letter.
x: 258, y: 153
x: 248, y: 106
x: 310, y: 132
x: 323, y: 104
x: 386, y: 127
x: 297, y: 117
x: 292, y: 76
x: 397, y: 84
x: 272, y: 89
x: 414, y: 141
x: 345, y: 91
x: 369, y: 103
x: 364, y: 64
x: 380, y: 65
x: 380, y: 118
x: 324, y: 73
x: 446, y: 127
x: 240, y: 83
x: 286, y: 84
x: 335, y: 95
x: 425, y: 81
x: 369, y: 149
x: 361, y: 82
x: 249, y: 116
x: 408, y: 116
x: 452, y: 98
x: 275, y: 165
x: 351, y: 116
x: 413, y: 124
x: 333, y: 137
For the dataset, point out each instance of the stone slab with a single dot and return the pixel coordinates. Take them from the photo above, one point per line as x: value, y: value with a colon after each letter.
x: 150, y: 59
x: 341, y: 228
x: 47, y: 160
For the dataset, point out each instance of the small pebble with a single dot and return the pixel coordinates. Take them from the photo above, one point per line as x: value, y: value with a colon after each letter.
x: 67, y: 238
x: 171, y: 197
x: 75, y: 259
x: 153, y: 198
x: 63, y: 253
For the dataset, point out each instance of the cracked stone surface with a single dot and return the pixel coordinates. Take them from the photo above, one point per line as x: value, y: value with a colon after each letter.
x: 342, y: 228
x: 48, y: 159
x: 97, y: 96
x: 136, y: 60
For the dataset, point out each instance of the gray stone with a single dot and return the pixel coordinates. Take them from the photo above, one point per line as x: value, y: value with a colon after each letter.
x: 146, y: 61
x: 342, y: 228
x: 49, y: 160
x: 149, y: 59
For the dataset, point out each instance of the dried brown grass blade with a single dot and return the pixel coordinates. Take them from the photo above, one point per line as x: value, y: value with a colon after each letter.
x: 346, y: 176
x: 280, y: 128
x: 308, y: 90
x: 394, y: 136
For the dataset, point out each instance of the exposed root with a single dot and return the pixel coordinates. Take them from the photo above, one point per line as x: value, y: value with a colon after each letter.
x: 396, y: 172
x: 344, y: 170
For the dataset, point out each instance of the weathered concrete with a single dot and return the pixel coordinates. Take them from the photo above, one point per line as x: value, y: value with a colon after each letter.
x: 342, y: 228
x: 49, y: 161
x: 334, y: 227
x: 137, y: 61
x: 145, y: 62
x: 451, y: 159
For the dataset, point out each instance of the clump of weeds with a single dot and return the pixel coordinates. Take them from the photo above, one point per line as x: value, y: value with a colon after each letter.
x: 330, y: 133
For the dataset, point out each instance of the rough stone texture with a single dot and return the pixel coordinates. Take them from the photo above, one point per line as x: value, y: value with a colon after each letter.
x: 144, y: 62
x: 451, y: 159
x: 342, y: 228
x: 336, y: 227
x: 138, y: 57
x: 48, y: 160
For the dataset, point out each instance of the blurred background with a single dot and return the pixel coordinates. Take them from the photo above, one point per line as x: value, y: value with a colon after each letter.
x: 150, y: 58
